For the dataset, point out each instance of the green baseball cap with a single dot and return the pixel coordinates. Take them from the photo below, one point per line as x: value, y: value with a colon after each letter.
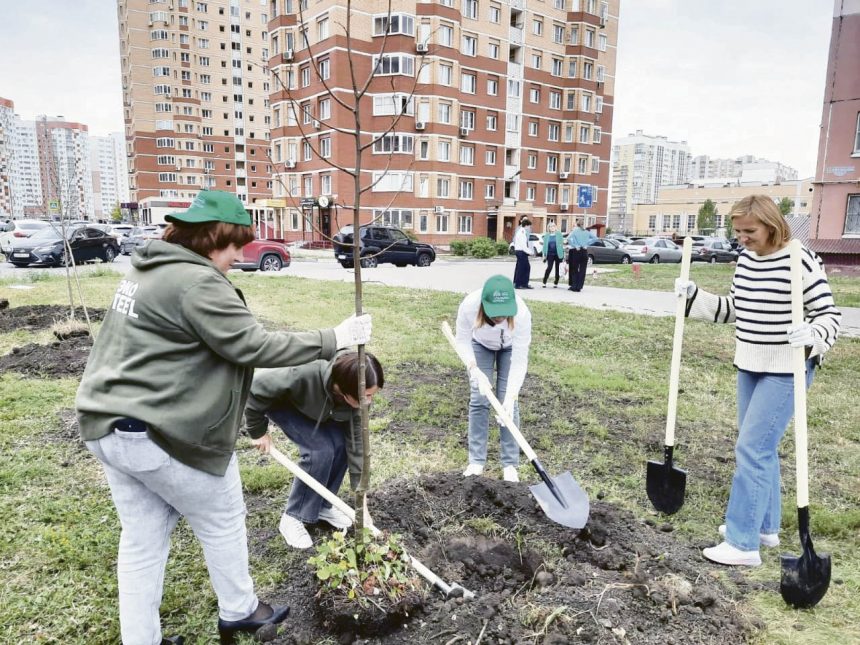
x: 498, y: 297
x: 213, y: 206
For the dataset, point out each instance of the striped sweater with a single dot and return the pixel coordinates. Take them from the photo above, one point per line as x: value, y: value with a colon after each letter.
x: 759, y: 303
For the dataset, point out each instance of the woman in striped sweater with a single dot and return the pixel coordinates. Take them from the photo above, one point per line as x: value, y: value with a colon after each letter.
x: 759, y: 303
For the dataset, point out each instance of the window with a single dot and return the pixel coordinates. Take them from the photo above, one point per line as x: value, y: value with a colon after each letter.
x: 596, y: 134
x: 325, y: 147
x: 401, y: 218
x: 167, y: 177
x: 165, y: 142
x: 423, y: 222
x: 493, y: 88
x: 446, y: 35
x: 512, y: 122
x: 166, y: 160
x: 391, y: 64
x: 552, y: 164
x: 163, y: 107
x: 446, y: 75
x: 424, y: 149
x: 530, y: 193
x: 587, y: 70
x: 551, y: 194
x: 691, y: 222
x: 534, y: 95
x: 492, y: 121
x: 852, y: 216
x: 161, y: 53
x: 557, y: 67
x: 537, y: 60
x: 464, y: 224
x: 532, y: 160
x: 571, y: 68
x: 202, y: 43
x: 652, y: 222
x: 467, y: 155
x: 423, y: 186
x: 442, y: 223
x: 601, y: 74
x: 392, y: 181
x: 582, y: 165
x: 307, y: 151
x: 392, y: 104
x: 305, y: 73
x: 468, y: 82
x: 443, y: 150
x: 595, y: 164
x: 322, y: 29
x: 470, y: 45
x: 586, y: 102
x: 158, y: 34
x: 324, y: 109
x: 466, y: 189
x: 555, y: 100
x: 557, y: 33
x: 470, y: 9
x: 553, y: 131
x: 467, y: 119
x: 537, y: 27
x: 443, y: 187
x: 598, y: 104
x: 493, y: 49
x: 513, y: 87
x: 589, y: 38
x: 602, y: 42
x: 533, y: 128
x: 444, y: 113
x: 204, y: 61
x: 396, y: 23
x: 495, y: 13
x: 489, y: 190
x: 490, y: 157
x: 584, y: 134
x: 325, y: 69
x: 394, y: 143
x: 206, y: 96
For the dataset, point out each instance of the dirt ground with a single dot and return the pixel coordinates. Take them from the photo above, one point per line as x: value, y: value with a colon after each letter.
x: 61, y: 358
x: 37, y: 317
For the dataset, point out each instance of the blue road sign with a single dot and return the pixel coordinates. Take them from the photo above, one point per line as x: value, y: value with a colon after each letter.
x: 584, y: 198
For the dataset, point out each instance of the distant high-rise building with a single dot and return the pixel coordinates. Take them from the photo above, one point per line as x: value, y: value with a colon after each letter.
x: 745, y: 169
x: 196, y: 97
x: 27, y: 197
x: 7, y: 156
x: 835, y: 226
x: 511, y: 114
x: 64, y: 167
x: 109, y: 168
x: 641, y: 164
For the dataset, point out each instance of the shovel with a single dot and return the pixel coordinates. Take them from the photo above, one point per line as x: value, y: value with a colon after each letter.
x: 804, y: 580
x: 450, y: 590
x: 560, y: 497
x: 664, y: 483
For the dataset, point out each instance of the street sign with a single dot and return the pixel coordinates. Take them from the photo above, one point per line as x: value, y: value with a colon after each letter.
x: 584, y: 197
x: 54, y: 205
x: 308, y: 202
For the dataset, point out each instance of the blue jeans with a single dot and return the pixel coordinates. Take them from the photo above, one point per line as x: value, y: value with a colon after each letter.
x: 322, y: 451
x: 479, y: 408
x: 765, y: 406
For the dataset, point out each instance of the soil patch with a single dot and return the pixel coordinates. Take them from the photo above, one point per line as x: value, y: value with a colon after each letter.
x: 36, y: 317
x: 619, y: 580
x: 59, y: 359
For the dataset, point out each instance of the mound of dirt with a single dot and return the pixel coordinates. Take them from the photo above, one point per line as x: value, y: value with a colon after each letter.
x: 35, y: 317
x: 55, y: 360
x: 619, y: 580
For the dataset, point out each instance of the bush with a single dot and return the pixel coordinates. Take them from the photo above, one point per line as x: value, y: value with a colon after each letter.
x: 460, y: 247
x: 483, y: 248
x: 502, y: 248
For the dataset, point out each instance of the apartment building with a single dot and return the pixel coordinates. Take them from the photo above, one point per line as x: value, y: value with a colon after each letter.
x: 743, y: 169
x: 641, y: 165
x: 835, y: 226
x: 195, y: 92
x: 109, y: 169
x: 7, y: 156
x: 64, y: 167
x: 27, y: 197
x: 477, y: 112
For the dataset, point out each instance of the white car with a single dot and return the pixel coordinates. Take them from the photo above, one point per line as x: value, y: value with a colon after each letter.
x: 17, y: 229
x: 119, y: 231
x: 535, y: 241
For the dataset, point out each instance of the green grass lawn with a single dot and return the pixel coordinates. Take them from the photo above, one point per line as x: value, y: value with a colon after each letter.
x: 594, y: 403
x: 716, y: 278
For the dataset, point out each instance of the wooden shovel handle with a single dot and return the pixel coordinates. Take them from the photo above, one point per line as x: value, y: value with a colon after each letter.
x: 498, y: 407
x: 798, y: 364
x: 677, y: 343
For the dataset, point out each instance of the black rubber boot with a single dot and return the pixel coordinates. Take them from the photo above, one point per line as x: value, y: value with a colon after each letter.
x: 264, y: 615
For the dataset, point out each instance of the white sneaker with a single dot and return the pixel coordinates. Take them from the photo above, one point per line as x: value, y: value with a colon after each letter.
x: 725, y: 553
x: 473, y: 469
x: 295, y: 533
x: 766, y: 539
x: 334, y: 516
x: 509, y: 474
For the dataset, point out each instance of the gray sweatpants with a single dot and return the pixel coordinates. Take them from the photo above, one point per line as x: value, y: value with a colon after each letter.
x: 151, y: 491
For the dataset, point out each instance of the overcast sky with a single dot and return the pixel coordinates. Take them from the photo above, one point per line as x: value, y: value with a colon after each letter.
x: 730, y: 77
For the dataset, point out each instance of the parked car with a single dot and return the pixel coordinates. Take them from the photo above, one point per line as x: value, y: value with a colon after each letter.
x: 715, y: 251
x: 47, y: 248
x: 622, y: 239
x: 139, y: 236
x: 381, y: 244
x: 18, y: 229
x: 264, y: 255
x: 535, y: 241
x: 607, y: 252
x: 120, y: 231
x: 653, y: 250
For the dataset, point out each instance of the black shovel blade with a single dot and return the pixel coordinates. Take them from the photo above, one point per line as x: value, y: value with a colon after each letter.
x: 665, y: 484
x: 804, y: 579
x: 567, y: 504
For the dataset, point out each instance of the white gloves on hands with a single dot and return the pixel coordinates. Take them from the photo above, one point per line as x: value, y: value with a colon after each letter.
x: 479, y: 380
x: 685, y: 288
x: 801, y: 335
x: 355, y: 330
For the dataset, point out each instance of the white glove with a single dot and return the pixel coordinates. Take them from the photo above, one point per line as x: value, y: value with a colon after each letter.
x: 355, y: 330
x: 801, y: 335
x: 479, y: 381
x: 685, y: 288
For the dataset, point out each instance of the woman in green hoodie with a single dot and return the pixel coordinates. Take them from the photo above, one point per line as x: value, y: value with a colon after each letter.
x: 317, y: 407
x: 160, y: 404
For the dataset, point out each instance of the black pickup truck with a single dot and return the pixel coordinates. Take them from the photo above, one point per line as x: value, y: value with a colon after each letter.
x: 381, y: 244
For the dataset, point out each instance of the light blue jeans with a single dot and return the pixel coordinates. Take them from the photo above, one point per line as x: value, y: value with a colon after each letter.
x: 479, y: 408
x: 765, y: 406
x: 151, y: 492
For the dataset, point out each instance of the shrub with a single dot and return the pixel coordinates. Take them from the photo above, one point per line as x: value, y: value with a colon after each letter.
x: 459, y: 247
x: 502, y: 248
x: 483, y: 248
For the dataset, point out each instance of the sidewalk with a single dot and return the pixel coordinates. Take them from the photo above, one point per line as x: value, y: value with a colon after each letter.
x: 459, y: 277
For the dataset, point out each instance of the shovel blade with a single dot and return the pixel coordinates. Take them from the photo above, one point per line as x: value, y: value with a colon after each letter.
x: 805, y: 579
x: 665, y: 486
x: 570, y: 508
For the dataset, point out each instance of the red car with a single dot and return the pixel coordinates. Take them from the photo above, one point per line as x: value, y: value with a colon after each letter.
x: 264, y: 255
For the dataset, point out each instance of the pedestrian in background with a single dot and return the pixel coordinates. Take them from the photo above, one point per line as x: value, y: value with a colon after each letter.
x: 759, y: 303
x: 317, y: 407
x: 577, y: 255
x: 494, y: 331
x: 553, y: 252
x: 161, y: 401
x: 523, y: 250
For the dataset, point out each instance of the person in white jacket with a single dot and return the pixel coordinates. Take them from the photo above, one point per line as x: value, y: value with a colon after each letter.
x: 523, y: 250
x: 494, y: 330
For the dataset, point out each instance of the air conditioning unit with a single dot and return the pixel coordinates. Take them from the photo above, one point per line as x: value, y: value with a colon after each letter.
x: 287, y: 55
x: 562, y: 175
x: 317, y: 124
x: 422, y: 48
x: 464, y: 132
x: 563, y: 207
x: 439, y: 210
x: 291, y: 163
x: 420, y: 125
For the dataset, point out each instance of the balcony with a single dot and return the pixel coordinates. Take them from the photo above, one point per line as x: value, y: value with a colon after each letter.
x: 515, y: 35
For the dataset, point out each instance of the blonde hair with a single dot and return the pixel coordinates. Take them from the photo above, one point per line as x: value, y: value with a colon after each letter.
x: 482, y: 319
x: 762, y: 208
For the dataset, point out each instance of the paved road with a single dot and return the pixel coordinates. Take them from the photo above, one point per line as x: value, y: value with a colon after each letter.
x: 464, y: 276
